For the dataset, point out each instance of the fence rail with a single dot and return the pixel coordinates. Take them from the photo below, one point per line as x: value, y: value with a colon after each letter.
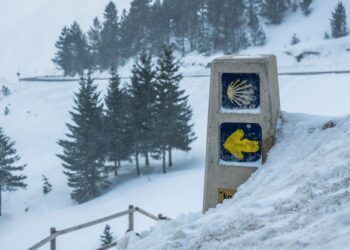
x: 61, y: 79
x: 130, y: 212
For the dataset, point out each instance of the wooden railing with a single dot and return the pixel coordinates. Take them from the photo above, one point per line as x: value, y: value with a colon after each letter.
x: 130, y: 212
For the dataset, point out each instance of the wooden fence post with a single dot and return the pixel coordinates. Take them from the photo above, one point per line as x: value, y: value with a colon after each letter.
x: 53, y: 241
x: 131, y: 218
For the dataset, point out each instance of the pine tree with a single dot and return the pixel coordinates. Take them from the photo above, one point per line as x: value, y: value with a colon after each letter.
x: 172, y: 111
x: 79, y: 49
x: 72, y: 55
x: 294, y: 40
x: 326, y: 35
x: 109, y: 49
x: 83, y: 152
x: 63, y: 55
x: 338, y: 21
x: 5, y: 90
x: 234, y: 37
x: 204, y: 30
x: 295, y: 4
x: 107, y: 236
x: 6, y: 111
x: 94, y: 35
x: 137, y: 27
x: 274, y: 10
x: 125, y: 37
x: 142, y: 92
x: 9, y: 181
x: 305, y: 6
x: 117, y: 122
x: 47, y: 187
x: 159, y: 27
x: 257, y: 34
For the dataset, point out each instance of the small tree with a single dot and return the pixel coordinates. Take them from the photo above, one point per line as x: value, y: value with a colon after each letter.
x: 6, y: 111
x: 142, y: 110
x: 5, y: 90
x: 172, y: 111
x: 274, y: 10
x: 72, y: 54
x: 305, y: 7
x: 326, y: 35
x: 294, y: 40
x: 63, y: 55
x: 107, y: 236
x: 338, y: 21
x: 47, y: 187
x: 83, y: 152
x: 109, y: 50
x: 94, y: 42
x: 9, y: 181
x: 257, y: 34
x: 117, y: 122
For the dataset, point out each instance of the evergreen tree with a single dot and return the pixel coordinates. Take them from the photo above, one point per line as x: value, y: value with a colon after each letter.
x: 326, y: 35
x: 257, y: 34
x: 5, y: 90
x: 117, y: 122
x: 125, y: 37
x: 6, y: 111
x: 107, y: 236
x: 295, y: 4
x: 109, y: 49
x: 274, y: 10
x: 204, y: 43
x: 63, y: 55
x: 159, y: 27
x: 72, y: 54
x: 227, y: 21
x: 136, y: 28
x: 83, y: 152
x: 338, y: 21
x: 172, y: 111
x: 94, y: 35
x: 294, y: 40
x: 142, y: 92
x: 79, y: 49
x: 305, y: 6
x: 47, y: 187
x: 9, y: 181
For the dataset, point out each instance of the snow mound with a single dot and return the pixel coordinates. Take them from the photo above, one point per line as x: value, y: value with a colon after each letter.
x: 299, y: 199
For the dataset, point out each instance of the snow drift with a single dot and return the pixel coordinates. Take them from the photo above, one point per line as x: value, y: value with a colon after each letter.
x: 299, y: 199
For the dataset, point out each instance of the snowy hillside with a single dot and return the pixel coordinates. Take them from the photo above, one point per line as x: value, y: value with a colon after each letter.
x: 30, y: 29
x: 36, y: 121
x: 298, y: 199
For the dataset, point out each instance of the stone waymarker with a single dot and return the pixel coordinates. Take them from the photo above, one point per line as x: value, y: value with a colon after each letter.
x: 243, y: 110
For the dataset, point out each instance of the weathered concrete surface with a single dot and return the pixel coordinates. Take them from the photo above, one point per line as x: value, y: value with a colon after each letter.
x: 216, y: 175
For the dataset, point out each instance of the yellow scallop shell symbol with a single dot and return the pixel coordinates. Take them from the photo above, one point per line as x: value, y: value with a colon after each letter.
x: 241, y: 93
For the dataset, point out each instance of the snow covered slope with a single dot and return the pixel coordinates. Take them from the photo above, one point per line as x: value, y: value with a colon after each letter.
x: 38, y: 112
x: 299, y: 199
x: 29, y: 30
x: 309, y: 156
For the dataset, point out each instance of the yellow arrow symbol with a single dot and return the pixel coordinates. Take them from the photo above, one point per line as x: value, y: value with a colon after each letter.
x: 236, y: 145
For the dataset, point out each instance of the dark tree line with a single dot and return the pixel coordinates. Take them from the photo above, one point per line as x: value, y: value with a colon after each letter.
x: 206, y: 26
x: 150, y: 117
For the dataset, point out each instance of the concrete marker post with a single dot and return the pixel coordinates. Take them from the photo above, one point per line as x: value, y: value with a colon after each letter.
x: 243, y: 110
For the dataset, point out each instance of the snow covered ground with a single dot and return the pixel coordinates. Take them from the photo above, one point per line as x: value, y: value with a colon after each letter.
x: 298, y: 199
x: 38, y: 112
